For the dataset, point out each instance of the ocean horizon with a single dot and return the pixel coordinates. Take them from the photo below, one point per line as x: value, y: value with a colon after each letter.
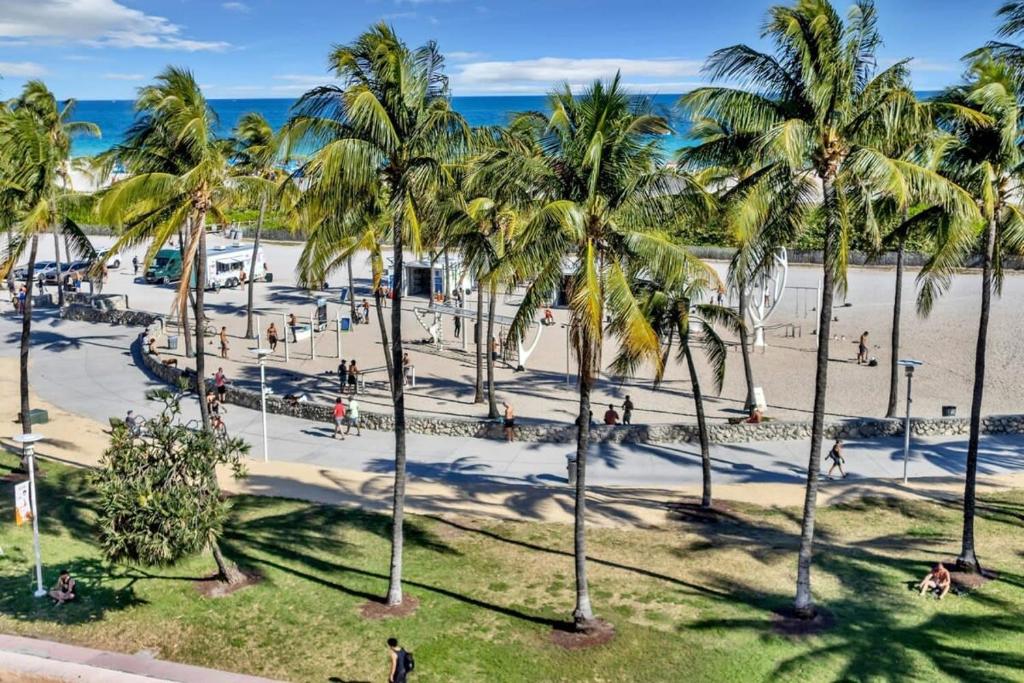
x: 115, y: 116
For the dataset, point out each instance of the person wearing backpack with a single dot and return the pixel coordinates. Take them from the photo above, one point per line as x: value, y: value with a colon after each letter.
x: 402, y: 662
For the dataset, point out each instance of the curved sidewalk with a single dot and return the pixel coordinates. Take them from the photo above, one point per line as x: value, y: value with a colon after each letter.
x: 33, y: 660
x: 88, y: 369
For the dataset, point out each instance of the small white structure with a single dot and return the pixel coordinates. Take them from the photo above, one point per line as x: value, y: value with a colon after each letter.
x: 418, y: 273
x: 766, y: 293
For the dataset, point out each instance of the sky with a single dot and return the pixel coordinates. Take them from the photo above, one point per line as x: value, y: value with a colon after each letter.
x: 106, y: 49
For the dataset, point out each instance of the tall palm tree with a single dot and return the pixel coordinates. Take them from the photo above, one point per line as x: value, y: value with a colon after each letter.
x: 984, y: 122
x: 600, y: 186
x: 821, y: 112
x: 260, y: 152
x: 180, y: 176
x: 678, y: 310
x: 383, y: 135
x: 35, y: 145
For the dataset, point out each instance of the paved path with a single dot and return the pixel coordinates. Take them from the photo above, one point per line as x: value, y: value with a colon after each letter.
x: 57, y: 661
x: 88, y: 369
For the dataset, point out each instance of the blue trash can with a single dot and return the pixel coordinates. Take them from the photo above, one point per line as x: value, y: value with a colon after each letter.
x: 346, y: 323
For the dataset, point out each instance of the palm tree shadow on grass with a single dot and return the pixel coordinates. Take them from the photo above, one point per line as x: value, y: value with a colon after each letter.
x: 98, y: 592
x: 284, y: 541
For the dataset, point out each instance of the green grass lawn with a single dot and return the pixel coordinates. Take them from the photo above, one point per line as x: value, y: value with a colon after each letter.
x: 693, y: 602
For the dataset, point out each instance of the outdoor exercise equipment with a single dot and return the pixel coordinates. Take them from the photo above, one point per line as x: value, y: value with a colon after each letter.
x: 431, y: 318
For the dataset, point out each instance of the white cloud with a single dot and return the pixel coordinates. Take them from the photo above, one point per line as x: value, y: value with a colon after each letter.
x: 391, y: 16
x: 124, y: 77
x: 98, y: 23
x: 461, y: 56
x: 539, y: 75
x: 22, y: 69
x: 235, y: 6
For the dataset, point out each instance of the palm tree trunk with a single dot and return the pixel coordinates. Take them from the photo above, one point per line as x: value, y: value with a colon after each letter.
x: 447, y: 284
x: 748, y: 371
x: 398, y: 396
x: 379, y: 305
x: 186, y: 329
x: 56, y: 256
x: 249, y: 332
x: 200, y: 271
x: 226, y: 571
x: 352, y: 296
x: 968, y: 559
x: 479, y: 396
x: 894, y: 368
x: 583, y: 614
x: 26, y: 331
x: 492, y: 407
x: 804, y: 603
x: 702, y: 425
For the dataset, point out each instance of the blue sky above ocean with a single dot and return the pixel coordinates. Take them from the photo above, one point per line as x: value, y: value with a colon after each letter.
x: 106, y: 49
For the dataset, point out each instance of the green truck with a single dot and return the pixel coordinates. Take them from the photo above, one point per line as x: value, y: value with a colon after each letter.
x: 166, y: 267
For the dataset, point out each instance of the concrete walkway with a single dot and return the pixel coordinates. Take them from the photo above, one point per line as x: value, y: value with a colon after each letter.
x: 88, y: 369
x: 35, y: 660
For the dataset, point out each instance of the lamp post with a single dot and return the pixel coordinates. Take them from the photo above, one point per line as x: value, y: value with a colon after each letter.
x: 908, y: 367
x: 27, y: 442
x: 262, y: 354
x: 568, y: 381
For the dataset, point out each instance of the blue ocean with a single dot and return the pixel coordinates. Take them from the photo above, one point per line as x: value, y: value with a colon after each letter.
x: 114, y: 116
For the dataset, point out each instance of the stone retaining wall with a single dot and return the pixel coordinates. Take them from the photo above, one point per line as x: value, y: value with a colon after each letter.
x: 558, y: 432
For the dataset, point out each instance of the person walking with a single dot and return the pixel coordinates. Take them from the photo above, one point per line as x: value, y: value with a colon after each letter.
x: 223, y: 342
x: 353, y: 417
x: 406, y: 369
x: 272, y: 337
x: 862, y: 348
x: 221, y: 383
x: 339, y: 418
x: 293, y: 325
x: 366, y: 312
x: 627, y: 411
x: 135, y: 265
x: 836, y: 456
x: 342, y: 374
x: 401, y: 662
x: 509, y: 423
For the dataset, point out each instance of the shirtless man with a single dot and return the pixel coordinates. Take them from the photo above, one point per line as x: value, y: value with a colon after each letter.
x: 938, y: 579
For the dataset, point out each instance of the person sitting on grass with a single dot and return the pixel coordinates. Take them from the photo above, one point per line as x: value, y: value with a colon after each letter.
x: 64, y: 591
x: 937, y: 580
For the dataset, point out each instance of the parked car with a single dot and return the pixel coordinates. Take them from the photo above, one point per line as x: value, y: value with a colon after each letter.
x: 111, y: 258
x: 50, y: 275
x: 21, y: 271
x: 165, y: 267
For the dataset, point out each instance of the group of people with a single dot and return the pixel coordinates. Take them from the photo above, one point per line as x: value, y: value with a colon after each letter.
x: 611, y: 416
x: 347, y: 417
x: 348, y: 376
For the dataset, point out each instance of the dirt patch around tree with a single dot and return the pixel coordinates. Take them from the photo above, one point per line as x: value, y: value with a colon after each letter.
x: 375, y: 609
x: 566, y: 636
x: 786, y: 622
x: 211, y: 587
x: 966, y: 581
x: 689, y: 509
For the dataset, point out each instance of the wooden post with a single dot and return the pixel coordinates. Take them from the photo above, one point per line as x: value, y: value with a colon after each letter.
x: 337, y: 333
x: 285, y: 329
x: 312, y: 337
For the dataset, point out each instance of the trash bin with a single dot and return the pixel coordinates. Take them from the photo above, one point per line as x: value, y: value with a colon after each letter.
x: 38, y: 416
x: 346, y: 323
x: 570, y: 468
x: 948, y: 411
x: 172, y: 342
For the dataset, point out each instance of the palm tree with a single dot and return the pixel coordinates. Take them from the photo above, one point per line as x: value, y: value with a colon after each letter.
x: 180, y: 176
x: 383, y: 135
x: 35, y: 145
x: 820, y: 112
x: 600, y: 185
x: 982, y: 151
x: 260, y: 152
x: 678, y: 310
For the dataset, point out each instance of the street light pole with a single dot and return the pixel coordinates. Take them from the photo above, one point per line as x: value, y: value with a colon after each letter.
x: 262, y: 354
x: 27, y: 442
x: 908, y: 366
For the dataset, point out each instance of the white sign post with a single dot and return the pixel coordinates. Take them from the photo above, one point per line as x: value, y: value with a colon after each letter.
x: 27, y: 442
